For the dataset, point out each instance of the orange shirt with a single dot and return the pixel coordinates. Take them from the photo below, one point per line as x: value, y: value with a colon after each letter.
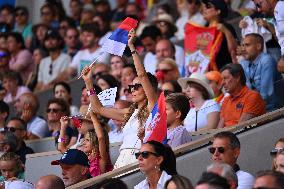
x: 247, y: 101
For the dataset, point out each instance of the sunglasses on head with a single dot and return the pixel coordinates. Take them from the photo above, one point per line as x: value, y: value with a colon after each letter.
x: 134, y: 87
x: 53, y: 110
x: 145, y: 154
x: 274, y: 152
x: 12, y: 129
x: 220, y: 150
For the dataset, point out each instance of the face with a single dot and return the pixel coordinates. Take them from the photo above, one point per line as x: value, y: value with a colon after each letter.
x: 251, y: 48
x: 264, y: 6
x: 15, y: 126
x: 74, y: 8
x: 86, y: 125
x: 164, y: 50
x: 192, y: 7
x: 163, y: 26
x: 171, y: 114
x: 62, y: 28
x: 72, y: 174
x: 229, y: 82
x: 127, y: 77
x: 72, y: 38
x: 139, y: 94
x: 8, y: 169
x: 54, y: 112
x: 168, y: 71
x: 87, y: 39
x: 40, y: 33
x: 279, y: 163
x: 103, y: 84
x: 229, y: 155
x: 209, y: 12
x: 131, y: 10
x: 87, y: 145
x: 148, y: 163
x: 149, y: 44
x: 84, y: 97
x: 19, y: 104
x: 51, y: 44
x: 10, y: 84
x: 20, y: 17
x: 116, y: 63
x: 6, y: 16
x: 13, y: 45
x: 264, y: 182
x: 46, y: 15
x: 62, y: 93
x: 171, y: 185
x: 37, y: 56
x: 192, y: 92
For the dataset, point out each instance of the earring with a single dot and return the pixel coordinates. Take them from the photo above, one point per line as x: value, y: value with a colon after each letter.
x: 157, y: 167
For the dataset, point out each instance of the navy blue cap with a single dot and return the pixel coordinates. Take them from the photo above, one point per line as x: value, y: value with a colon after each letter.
x: 73, y: 157
x: 52, y: 34
x: 220, y: 5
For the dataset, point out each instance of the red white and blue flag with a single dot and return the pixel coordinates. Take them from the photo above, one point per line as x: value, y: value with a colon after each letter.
x: 157, y: 129
x: 117, y: 42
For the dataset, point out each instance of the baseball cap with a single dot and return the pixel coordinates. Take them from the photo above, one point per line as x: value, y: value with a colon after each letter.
x: 220, y: 5
x: 73, y: 157
x: 52, y: 34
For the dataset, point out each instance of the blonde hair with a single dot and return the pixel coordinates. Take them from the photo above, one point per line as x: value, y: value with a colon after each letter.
x: 172, y: 64
x: 11, y: 156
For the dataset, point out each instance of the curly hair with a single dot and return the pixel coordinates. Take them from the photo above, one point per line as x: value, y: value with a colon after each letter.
x: 95, y: 142
x: 11, y: 156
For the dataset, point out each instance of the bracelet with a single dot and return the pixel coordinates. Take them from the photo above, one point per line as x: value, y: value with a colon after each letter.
x: 134, y: 52
x: 61, y: 140
x: 91, y: 92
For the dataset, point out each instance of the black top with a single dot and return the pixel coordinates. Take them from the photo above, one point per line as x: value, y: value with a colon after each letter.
x: 23, y: 151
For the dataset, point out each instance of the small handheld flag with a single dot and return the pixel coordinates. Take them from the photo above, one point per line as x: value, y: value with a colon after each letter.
x: 117, y: 42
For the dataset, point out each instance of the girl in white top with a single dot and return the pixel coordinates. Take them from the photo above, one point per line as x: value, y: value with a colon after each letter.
x: 144, y: 97
x: 205, y: 113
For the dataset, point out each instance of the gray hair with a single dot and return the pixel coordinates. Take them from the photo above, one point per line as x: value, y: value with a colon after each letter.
x: 226, y: 171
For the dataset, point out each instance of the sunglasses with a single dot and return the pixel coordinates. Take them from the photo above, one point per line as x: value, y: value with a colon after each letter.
x: 20, y: 14
x: 145, y: 154
x: 12, y: 129
x: 220, y: 150
x: 45, y: 13
x: 168, y: 92
x: 165, y: 71
x: 133, y: 87
x: 274, y: 152
x: 53, y: 110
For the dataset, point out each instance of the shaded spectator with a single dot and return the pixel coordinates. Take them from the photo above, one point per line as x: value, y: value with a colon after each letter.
x: 7, y: 18
x: 4, y: 114
x: 104, y: 25
x: 279, y: 146
x: 8, y: 141
x: 11, y: 167
x: 171, y: 87
x: 269, y: 179
x: 167, y: 26
x: 204, y: 114
x: 39, y: 33
x: 26, y: 108
x: 75, y: 166
x: 226, y: 149
x: 21, y: 58
x: 19, y: 128
x: 215, y: 82
x: 177, y: 107
x: 155, y: 161
x: 22, y: 24
x: 72, y: 43
x: 3, y: 40
x: 75, y: 10
x: 12, y: 83
x: 62, y: 90
x: 178, y: 182
x: 52, y: 67
x: 106, y: 81
x: 87, y: 14
x: 48, y: 15
x: 50, y: 182
x: 243, y: 103
x: 212, y: 181
x: 167, y: 70
x: 116, y: 66
x: 279, y: 162
x: 112, y: 183
x: 260, y: 69
x: 64, y: 24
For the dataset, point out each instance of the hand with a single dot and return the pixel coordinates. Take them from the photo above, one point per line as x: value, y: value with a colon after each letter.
x: 87, y: 73
x: 262, y: 22
x: 243, y: 24
x: 141, y: 133
x: 64, y: 121
x: 280, y: 66
x: 131, y: 38
x: 221, y: 27
x: 27, y: 113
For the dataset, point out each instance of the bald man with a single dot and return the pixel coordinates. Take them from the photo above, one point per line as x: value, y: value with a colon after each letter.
x: 26, y: 108
x: 50, y: 182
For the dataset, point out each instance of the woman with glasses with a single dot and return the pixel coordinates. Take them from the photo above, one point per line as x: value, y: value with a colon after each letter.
x: 279, y: 146
x: 144, y: 97
x: 157, y: 162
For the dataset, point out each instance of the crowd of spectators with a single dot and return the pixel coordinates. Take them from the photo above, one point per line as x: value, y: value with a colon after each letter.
x: 242, y: 82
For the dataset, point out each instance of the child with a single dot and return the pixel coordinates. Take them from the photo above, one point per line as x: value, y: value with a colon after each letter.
x: 11, y: 167
x: 177, y: 107
x: 96, y: 146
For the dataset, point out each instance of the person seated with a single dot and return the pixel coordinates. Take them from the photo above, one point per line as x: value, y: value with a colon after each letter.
x: 75, y: 167
x: 279, y: 161
x: 178, y: 182
x: 8, y: 141
x: 205, y: 113
x: 215, y: 82
x: 177, y: 107
x: 269, y: 179
x: 11, y: 167
x: 242, y: 103
x: 4, y: 114
x: 212, y: 180
x: 50, y: 182
x: 279, y: 146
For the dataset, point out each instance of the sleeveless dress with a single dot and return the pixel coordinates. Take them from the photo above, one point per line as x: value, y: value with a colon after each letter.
x: 95, y: 165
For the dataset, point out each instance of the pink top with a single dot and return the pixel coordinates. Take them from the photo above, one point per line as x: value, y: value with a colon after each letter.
x: 22, y: 63
x: 95, y: 165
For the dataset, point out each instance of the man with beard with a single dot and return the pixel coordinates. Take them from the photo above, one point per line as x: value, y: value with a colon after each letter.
x: 52, y: 66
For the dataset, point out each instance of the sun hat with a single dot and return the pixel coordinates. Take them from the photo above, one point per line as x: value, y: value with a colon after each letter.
x: 73, y: 157
x: 165, y: 18
x: 199, y: 79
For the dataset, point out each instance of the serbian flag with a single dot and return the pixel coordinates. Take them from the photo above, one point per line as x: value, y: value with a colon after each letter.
x: 157, y: 129
x: 201, y: 45
x: 117, y: 42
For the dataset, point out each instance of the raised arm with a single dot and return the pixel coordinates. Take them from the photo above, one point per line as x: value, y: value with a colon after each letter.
x: 150, y: 92
x: 97, y: 107
x: 62, y: 147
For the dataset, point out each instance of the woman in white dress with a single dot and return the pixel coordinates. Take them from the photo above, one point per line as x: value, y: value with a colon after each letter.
x: 144, y: 97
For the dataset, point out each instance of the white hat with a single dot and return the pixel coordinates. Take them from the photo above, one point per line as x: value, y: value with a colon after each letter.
x: 165, y: 18
x: 18, y: 184
x: 199, y: 79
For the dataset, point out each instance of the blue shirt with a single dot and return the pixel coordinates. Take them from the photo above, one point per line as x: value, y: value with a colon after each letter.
x: 260, y: 76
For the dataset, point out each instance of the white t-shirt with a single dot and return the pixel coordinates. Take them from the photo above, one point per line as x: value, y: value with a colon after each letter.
x: 245, y: 180
x: 208, y: 107
x: 144, y: 184
x: 47, y: 73
x: 85, y: 57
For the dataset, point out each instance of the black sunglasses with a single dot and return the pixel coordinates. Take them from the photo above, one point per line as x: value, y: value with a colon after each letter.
x: 168, y: 92
x: 134, y: 87
x: 12, y: 129
x: 53, y: 110
x: 273, y: 152
x: 145, y: 154
x: 212, y: 150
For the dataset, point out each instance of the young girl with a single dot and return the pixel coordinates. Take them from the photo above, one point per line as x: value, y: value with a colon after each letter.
x: 144, y: 96
x: 11, y: 167
x: 96, y: 146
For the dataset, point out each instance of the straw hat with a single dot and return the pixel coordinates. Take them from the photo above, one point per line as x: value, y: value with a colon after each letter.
x: 199, y: 79
x: 165, y: 18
